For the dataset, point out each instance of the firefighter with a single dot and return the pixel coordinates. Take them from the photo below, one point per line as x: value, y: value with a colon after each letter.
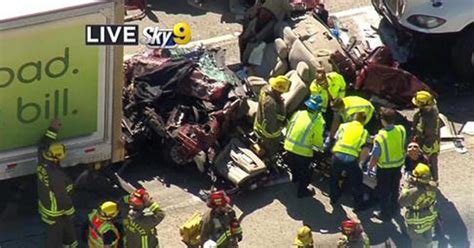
x: 140, y: 224
x: 349, y: 152
x: 353, y: 235
x: 329, y: 86
x: 345, y: 109
x: 426, y: 128
x: 304, y: 238
x: 54, y: 191
x: 305, y: 131
x: 271, y: 114
x: 419, y: 198
x: 388, y: 156
x: 103, y: 229
x: 220, y: 223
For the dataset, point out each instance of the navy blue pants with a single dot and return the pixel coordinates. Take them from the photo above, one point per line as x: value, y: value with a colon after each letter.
x: 354, y: 174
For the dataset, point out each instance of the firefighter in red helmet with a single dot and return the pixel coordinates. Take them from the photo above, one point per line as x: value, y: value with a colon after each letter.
x: 140, y: 228
x: 353, y: 235
x: 220, y: 223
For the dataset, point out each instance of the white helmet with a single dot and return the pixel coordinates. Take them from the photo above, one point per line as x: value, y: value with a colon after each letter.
x: 210, y: 244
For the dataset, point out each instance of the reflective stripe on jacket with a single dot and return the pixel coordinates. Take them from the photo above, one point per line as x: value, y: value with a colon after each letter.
x: 421, y: 212
x: 350, y: 138
x: 392, y: 145
x: 355, y: 104
x: 97, y: 229
x: 140, y: 229
x: 305, y: 130
x: 54, y: 187
x: 271, y: 115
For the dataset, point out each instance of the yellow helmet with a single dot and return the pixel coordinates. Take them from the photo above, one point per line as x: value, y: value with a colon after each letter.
x: 280, y: 83
x: 304, y: 236
x: 56, y: 152
x: 422, y: 171
x: 108, y: 210
x: 423, y: 98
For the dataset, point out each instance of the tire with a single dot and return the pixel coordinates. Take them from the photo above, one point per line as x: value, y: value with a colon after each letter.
x: 462, y: 56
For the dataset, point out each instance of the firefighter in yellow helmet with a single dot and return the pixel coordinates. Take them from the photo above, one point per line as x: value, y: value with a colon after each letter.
x: 54, y: 191
x: 271, y: 114
x: 103, y: 229
x: 426, y: 128
x: 419, y: 198
x: 304, y: 238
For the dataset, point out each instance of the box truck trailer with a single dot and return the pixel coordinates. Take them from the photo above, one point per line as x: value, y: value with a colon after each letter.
x: 47, y: 71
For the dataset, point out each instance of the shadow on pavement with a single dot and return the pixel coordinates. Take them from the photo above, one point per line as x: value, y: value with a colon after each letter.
x: 379, y: 233
x: 308, y: 210
x: 186, y: 177
x: 453, y: 231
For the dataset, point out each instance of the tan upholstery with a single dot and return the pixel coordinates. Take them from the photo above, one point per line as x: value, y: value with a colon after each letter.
x: 303, y: 71
x: 280, y: 68
x: 256, y: 83
x: 281, y: 48
x: 297, y: 94
x: 289, y: 36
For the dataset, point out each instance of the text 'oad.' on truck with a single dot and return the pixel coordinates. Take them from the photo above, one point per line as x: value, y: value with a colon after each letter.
x: 47, y: 71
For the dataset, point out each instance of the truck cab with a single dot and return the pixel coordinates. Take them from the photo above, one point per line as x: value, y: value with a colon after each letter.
x: 425, y: 19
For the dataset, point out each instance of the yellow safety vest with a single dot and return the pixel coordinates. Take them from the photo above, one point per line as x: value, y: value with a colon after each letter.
x: 392, y: 145
x: 337, y: 85
x: 305, y: 130
x: 355, y: 104
x: 336, y: 89
x: 97, y: 228
x: 351, y: 137
x: 317, y: 89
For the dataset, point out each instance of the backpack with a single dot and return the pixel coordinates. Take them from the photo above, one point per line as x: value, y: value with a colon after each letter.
x: 190, y: 231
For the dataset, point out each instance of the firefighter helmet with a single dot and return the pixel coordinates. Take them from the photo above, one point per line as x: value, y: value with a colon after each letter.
x: 56, y: 152
x: 422, y: 171
x: 218, y: 199
x: 108, y: 210
x: 137, y: 198
x: 304, y: 237
x: 423, y: 98
x: 280, y: 83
